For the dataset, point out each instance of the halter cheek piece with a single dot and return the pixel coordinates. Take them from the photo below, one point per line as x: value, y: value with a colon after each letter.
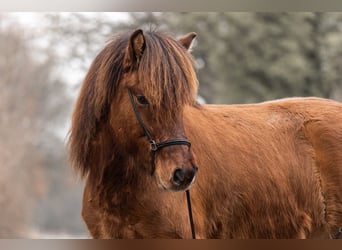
x: 154, y: 147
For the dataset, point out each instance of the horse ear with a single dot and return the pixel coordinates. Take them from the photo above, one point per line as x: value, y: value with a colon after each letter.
x: 187, y: 40
x: 136, y: 47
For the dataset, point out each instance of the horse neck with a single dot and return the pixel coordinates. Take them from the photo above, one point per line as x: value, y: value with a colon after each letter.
x: 203, y: 123
x: 207, y: 132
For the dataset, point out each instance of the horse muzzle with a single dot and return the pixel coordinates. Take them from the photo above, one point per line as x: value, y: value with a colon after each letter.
x: 182, y: 178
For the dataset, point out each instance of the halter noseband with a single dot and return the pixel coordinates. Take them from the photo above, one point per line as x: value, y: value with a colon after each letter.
x: 154, y: 146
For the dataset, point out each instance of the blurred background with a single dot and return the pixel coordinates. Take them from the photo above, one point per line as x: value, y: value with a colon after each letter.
x: 241, y: 58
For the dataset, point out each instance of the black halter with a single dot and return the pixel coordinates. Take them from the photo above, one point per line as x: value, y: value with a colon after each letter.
x: 156, y: 146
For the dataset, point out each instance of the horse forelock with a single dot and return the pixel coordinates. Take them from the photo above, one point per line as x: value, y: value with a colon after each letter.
x: 167, y: 76
x: 92, y: 106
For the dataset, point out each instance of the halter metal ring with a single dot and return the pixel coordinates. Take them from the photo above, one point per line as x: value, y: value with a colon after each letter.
x: 153, y: 145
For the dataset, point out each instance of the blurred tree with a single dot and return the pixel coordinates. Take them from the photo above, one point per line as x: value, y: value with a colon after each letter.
x: 331, y: 29
x: 83, y: 35
x: 32, y: 105
x: 241, y: 57
x: 249, y: 57
x: 20, y: 183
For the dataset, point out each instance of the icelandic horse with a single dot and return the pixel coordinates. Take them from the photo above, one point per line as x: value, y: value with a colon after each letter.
x: 138, y: 136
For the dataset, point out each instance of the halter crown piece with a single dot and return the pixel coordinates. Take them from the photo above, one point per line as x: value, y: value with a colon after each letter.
x: 154, y: 147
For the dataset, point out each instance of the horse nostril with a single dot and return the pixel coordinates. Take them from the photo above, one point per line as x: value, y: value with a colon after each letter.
x: 178, y: 176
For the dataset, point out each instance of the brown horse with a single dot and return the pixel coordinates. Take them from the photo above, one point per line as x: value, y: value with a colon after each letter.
x: 268, y: 170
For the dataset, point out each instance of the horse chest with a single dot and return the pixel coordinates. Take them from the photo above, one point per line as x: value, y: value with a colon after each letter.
x: 109, y: 220
x: 114, y: 226
x: 138, y: 223
x: 128, y: 215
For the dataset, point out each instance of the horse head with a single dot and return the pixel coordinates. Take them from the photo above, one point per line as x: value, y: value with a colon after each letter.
x: 158, y: 82
x: 130, y: 110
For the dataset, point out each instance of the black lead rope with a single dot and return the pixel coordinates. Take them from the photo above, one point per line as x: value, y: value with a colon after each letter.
x: 190, y: 214
x: 154, y: 147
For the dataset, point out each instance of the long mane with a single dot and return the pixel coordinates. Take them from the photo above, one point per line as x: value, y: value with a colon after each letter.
x: 166, y: 75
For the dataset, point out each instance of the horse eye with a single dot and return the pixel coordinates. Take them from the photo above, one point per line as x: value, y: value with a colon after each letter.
x: 142, y: 99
